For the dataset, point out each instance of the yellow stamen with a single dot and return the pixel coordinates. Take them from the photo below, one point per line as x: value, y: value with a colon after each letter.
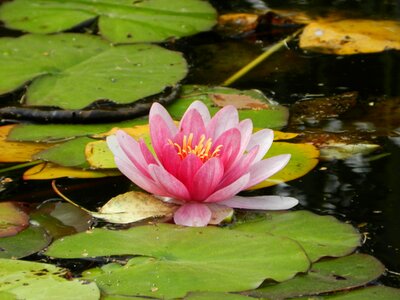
x: 201, y: 150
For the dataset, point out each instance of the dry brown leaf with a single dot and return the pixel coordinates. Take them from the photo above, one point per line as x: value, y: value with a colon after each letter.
x: 351, y: 36
x: 238, y: 101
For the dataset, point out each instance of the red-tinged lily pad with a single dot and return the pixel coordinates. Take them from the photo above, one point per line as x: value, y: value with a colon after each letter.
x: 51, y: 171
x: 326, y: 276
x: 318, y: 235
x: 304, y: 157
x: 251, y: 104
x: 25, y: 243
x: 12, y: 219
x: 33, y: 280
x: 192, y: 259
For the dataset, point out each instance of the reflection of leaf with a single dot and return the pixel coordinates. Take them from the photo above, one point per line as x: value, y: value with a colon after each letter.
x: 59, y: 63
x: 119, y: 21
x: 51, y: 171
x: 326, y: 276
x: 174, y: 260
x: 333, y: 151
x: 266, y: 113
x: 318, y: 235
x: 351, y: 36
x: 32, y: 280
x: 304, y: 157
x: 17, y: 152
x: 26, y: 242
x: 12, y: 219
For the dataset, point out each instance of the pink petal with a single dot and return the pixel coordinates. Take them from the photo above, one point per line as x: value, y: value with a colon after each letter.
x: 160, y: 134
x: 240, y: 167
x: 230, y: 141
x: 261, y: 202
x: 130, y: 171
x: 170, y: 159
x: 246, y: 129
x: 158, y: 109
x: 188, y: 169
x: 264, y: 139
x: 219, y: 213
x: 133, y: 151
x: 115, y: 148
x: 230, y: 190
x: 192, y: 122
x: 169, y: 183
x: 224, y: 119
x: 207, y: 179
x: 193, y: 214
x: 148, y: 156
x: 266, y: 168
x: 202, y: 109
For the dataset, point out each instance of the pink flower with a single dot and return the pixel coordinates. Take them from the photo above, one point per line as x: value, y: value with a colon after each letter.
x: 202, y: 164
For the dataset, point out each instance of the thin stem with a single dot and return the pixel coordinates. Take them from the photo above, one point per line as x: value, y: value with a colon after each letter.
x: 57, y: 191
x: 274, y: 48
x: 21, y: 166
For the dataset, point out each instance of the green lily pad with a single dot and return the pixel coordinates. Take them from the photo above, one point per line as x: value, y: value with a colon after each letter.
x: 318, y: 235
x: 27, y: 242
x: 119, y: 21
x: 174, y: 260
x: 372, y: 292
x: 326, y: 276
x: 68, y: 154
x: 12, y: 219
x: 59, y: 132
x: 304, y: 157
x: 59, y: 63
x: 32, y: 280
x: 263, y: 112
x: 209, y: 296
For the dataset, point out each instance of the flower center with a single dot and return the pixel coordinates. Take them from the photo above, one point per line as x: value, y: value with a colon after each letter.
x: 202, y: 150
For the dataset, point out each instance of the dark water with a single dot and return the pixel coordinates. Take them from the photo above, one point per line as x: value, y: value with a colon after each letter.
x: 362, y: 190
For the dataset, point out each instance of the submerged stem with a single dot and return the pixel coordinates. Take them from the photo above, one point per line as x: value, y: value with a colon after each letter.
x: 57, y: 191
x: 274, y: 48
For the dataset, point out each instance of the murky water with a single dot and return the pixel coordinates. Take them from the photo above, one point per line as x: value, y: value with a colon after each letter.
x: 363, y: 190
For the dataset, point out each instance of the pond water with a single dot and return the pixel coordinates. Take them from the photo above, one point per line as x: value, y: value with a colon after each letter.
x: 364, y: 189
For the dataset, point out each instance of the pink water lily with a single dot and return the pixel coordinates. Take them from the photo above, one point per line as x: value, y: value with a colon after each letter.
x: 202, y: 163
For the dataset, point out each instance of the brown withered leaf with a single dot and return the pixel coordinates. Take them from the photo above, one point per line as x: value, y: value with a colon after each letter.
x: 238, y: 101
x: 322, y: 108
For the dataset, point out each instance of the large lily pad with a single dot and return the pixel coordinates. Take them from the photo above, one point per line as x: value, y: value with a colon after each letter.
x: 174, y: 260
x: 373, y: 292
x: 318, y: 235
x: 26, y: 242
x: 251, y: 104
x: 32, y: 280
x: 119, y: 21
x: 57, y: 64
x: 60, y: 132
x: 326, y: 276
x: 304, y: 157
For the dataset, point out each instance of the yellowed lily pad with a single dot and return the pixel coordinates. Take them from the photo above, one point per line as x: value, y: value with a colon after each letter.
x: 134, y: 206
x: 351, y: 36
x: 52, y: 171
x: 304, y: 157
x: 12, y: 152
